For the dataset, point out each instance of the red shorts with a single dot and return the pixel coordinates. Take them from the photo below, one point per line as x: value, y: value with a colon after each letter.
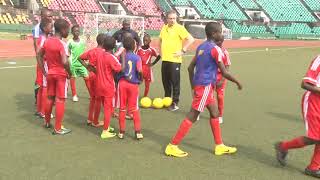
x: 57, y: 85
x: 147, y: 73
x: 202, y: 96
x: 221, y: 89
x: 92, y: 81
x: 39, y: 76
x: 311, y: 114
x: 129, y: 95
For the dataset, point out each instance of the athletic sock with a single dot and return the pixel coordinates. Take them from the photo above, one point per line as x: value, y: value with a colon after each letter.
x: 182, y: 131
x: 216, y: 131
x: 293, y: 144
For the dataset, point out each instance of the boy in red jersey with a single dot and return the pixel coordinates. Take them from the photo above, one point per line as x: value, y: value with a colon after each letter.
x: 129, y: 82
x: 55, y: 51
x: 46, y: 27
x: 107, y: 64
x: 311, y: 116
x: 202, y: 73
x: 146, y: 53
x: 95, y: 102
x: 221, y: 81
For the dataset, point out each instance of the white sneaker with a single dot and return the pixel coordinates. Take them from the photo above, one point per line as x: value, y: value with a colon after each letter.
x: 220, y: 120
x: 198, y: 118
x: 75, y: 98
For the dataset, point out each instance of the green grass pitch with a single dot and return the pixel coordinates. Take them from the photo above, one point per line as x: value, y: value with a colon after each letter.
x: 265, y: 111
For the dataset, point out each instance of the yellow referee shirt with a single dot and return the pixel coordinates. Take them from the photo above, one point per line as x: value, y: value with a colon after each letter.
x: 172, y: 38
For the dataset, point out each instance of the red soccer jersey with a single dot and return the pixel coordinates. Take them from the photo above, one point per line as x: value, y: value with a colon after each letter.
x: 54, y: 48
x: 92, y: 55
x: 106, y: 64
x: 313, y: 74
x: 225, y: 59
x: 146, y: 55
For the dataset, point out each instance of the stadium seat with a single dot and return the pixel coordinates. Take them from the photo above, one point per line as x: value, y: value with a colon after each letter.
x: 313, y: 4
x: 73, y: 5
x: 146, y: 7
x: 248, y: 4
x: 164, y: 5
x: 180, y: 2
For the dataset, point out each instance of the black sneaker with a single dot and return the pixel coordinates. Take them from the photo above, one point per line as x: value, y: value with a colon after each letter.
x: 61, y: 131
x: 173, y: 107
x: 280, y: 154
x: 314, y: 173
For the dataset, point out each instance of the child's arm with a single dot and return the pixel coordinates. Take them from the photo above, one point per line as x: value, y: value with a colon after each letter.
x: 219, y: 84
x: 82, y: 58
x: 139, y: 69
x: 156, y: 60
x: 40, y: 55
x: 228, y: 76
x: 310, y: 87
x: 191, y: 67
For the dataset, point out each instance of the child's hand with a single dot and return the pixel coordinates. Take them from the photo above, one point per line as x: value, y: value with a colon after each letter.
x: 239, y: 86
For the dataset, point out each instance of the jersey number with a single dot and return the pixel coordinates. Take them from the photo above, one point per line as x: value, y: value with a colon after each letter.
x: 130, y: 69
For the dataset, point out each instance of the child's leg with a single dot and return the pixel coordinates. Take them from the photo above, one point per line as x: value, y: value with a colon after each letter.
x: 107, y: 112
x: 87, y: 82
x: 133, y: 95
x: 315, y: 161
x: 73, y: 86
x: 147, y: 87
x: 39, y: 99
x: 44, y: 100
x: 60, y: 105
x: 61, y: 95
x: 91, y: 110
x: 51, y: 92
x: 123, y: 97
x: 220, y: 98
x: 214, y: 123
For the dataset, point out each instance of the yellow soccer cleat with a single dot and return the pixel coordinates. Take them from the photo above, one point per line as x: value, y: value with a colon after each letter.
x: 173, y: 150
x: 106, y: 134
x: 223, y: 149
x: 110, y: 129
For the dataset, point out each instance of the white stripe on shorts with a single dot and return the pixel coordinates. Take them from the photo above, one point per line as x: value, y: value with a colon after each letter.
x: 204, y: 98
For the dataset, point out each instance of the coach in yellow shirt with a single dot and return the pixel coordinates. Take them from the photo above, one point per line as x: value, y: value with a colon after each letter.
x: 172, y: 47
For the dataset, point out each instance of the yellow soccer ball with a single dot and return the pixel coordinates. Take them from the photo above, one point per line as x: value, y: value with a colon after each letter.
x: 157, y: 103
x: 145, y: 102
x: 167, y: 101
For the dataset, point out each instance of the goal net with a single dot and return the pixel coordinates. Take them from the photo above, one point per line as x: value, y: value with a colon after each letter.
x: 95, y: 23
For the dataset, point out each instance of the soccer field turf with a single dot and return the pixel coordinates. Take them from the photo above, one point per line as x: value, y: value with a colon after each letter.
x: 265, y: 111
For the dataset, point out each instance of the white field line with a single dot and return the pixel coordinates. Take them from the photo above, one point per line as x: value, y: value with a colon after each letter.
x: 16, y: 67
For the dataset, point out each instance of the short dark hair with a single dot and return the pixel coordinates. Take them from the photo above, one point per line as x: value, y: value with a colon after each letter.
x: 212, y: 27
x: 100, y: 38
x: 128, y: 43
x: 75, y: 26
x: 60, y: 24
x: 109, y: 43
x: 44, y: 10
x: 44, y: 23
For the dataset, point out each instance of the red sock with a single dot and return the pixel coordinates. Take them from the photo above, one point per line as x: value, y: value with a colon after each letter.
x: 137, y: 121
x: 73, y: 86
x: 39, y: 99
x: 293, y: 144
x: 220, y: 98
x: 49, y: 106
x: 107, y: 112
x: 146, y: 89
x: 44, y: 100
x: 122, y: 121
x: 216, y: 131
x: 91, y: 109
x: 97, y: 108
x: 315, y: 161
x: 59, y: 113
x: 87, y: 82
x: 182, y: 131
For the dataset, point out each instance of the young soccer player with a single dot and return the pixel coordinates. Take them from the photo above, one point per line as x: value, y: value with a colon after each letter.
x: 311, y: 116
x: 46, y: 27
x: 107, y: 64
x: 202, y: 73
x: 55, y: 52
x: 129, y: 88
x: 95, y: 102
x: 76, y: 47
x: 221, y: 81
x: 146, y: 53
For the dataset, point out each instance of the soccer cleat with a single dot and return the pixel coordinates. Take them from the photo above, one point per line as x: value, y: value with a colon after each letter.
x: 110, y: 129
x: 220, y: 120
x: 121, y: 135
x: 314, y: 173
x: 106, y: 134
x: 280, y: 154
x: 223, y: 149
x: 89, y: 122
x: 173, y: 107
x: 61, y: 131
x: 198, y: 117
x: 139, y: 136
x: 173, y: 150
x: 47, y: 125
x: 75, y: 98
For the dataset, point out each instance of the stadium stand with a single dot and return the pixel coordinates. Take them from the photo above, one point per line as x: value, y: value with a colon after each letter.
x: 313, y: 4
x: 225, y: 9
x: 202, y: 8
x: 164, y: 5
x: 180, y: 2
x: 10, y: 18
x: 294, y: 28
x: 75, y: 5
x: 247, y: 4
x: 258, y: 29
x: 146, y: 7
x: 287, y: 10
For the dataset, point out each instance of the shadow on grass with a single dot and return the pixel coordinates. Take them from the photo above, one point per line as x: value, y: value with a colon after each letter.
x: 286, y: 116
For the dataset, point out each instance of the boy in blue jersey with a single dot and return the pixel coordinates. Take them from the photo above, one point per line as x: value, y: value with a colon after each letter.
x: 129, y: 82
x: 202, y: 73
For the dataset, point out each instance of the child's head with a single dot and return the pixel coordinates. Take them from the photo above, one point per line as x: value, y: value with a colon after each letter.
x: 146, y: 39
x: 46, y: 26
x: 109, y: 43
x: 100, y: 39
x: 75, y: 30
x: 213, y: 31
x: 220, y: 41
x: 129, y: 43
x: 62, y: 27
